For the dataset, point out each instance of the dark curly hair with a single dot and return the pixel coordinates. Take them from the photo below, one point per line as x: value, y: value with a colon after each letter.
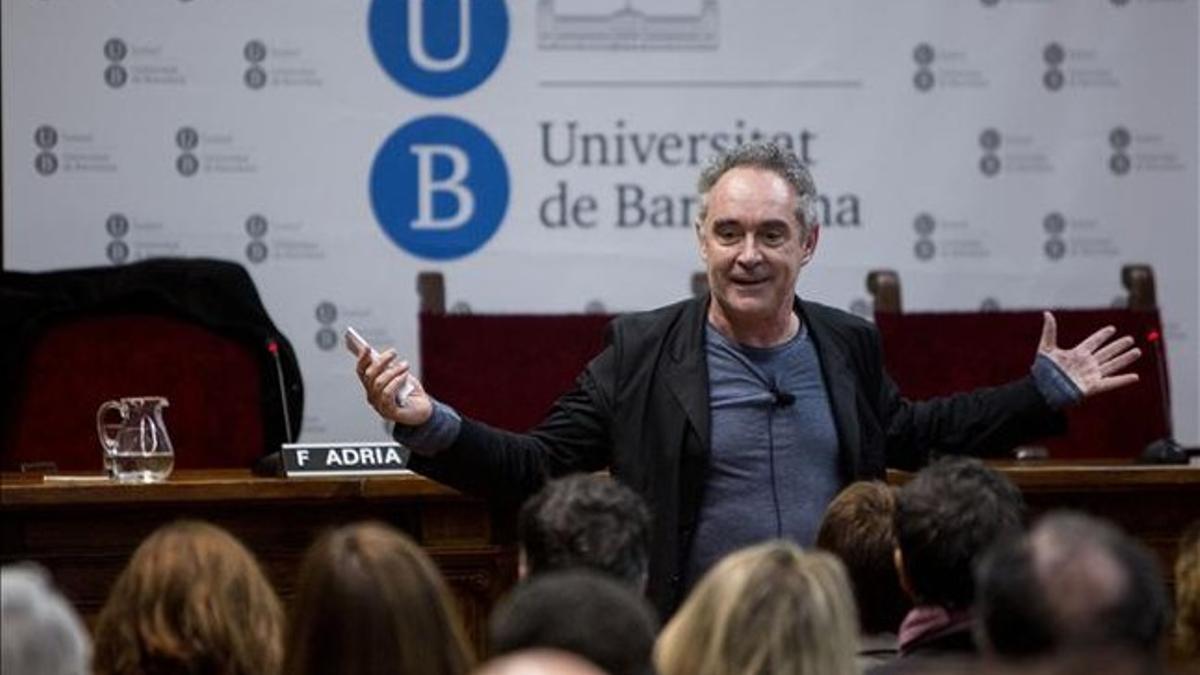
x: 590, y: 521
x: 946, y: 517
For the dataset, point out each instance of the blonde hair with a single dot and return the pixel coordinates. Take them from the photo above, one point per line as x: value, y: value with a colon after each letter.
x: 369, y: 600
x: 1186, y: 643
x: 771, y: 608
x: 191, y: 600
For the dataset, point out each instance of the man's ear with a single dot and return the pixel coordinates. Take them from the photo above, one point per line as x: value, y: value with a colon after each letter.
x: 902, y: 574
x: 810, y: 244
x: 522, y: 564
x: 698, y: 226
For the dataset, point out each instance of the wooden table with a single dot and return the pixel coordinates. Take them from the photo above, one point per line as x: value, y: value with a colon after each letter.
x: 84, y: 532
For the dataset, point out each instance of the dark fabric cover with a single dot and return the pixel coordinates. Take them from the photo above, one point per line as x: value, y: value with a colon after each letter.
x: 640, y: 408
x: 931, y: 354
x: 506, y: 370
x: 193, y: 330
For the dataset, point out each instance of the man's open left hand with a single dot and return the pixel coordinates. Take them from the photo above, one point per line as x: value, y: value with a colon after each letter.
x: 1095, y: 364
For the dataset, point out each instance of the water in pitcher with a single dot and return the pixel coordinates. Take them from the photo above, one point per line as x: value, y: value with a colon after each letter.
x: 137, y: 448
x: 138, y: 467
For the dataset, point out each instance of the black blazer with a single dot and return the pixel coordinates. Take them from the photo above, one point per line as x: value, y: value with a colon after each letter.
x: 640, y: 409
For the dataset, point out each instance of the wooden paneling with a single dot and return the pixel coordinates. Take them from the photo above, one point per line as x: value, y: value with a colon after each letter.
x: 84, y: 532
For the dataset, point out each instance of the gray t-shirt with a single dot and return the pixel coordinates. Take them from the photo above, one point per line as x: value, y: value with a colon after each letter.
x: 774, y: 462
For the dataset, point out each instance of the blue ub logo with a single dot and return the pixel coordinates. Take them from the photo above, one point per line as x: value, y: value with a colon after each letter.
x: 438, y: 47
x: 439, y: 187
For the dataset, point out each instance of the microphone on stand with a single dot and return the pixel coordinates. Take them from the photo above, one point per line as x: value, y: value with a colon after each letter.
x: 273, y: 347
x: 1164, y: 450
x: 271, y: 464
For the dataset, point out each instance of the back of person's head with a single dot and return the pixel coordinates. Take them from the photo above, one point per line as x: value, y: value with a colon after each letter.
x: 771, y: 608
x: 857, y: 528
x: 1186, y: 640
x: 191, y: 600
x: 586, y: 520
x: 42, y: 634
x: 1073, y: 583
x: 539, y: 662
x: 586, y: 613
x: 946, y: 517
x: 370, y: 601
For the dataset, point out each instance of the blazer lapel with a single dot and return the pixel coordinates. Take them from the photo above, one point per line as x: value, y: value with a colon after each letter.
x: 686, y: 370
x: 840, y: 382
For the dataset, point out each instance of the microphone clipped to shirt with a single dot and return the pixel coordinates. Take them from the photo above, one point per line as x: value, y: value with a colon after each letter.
x: 782, y: 398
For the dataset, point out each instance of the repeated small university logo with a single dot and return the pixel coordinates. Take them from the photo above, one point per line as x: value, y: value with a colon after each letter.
x: 45, y: 138
x: 923, y: 54
x: 989, y: 163
x: 1119, y: 140
x: 255, y: 76
x: 115, y: 74
x: 256, y: 228
x: 326, y: 313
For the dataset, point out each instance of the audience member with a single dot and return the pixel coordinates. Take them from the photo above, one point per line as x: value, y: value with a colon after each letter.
x: 1186, y: 644
x: 770, y: 608
x: 191, y: 600
x: 946, y: 517
x: 539, y: 662
x: 586, y: 520
x: 580, y: 611
x: 42, y: 635
x: 858, y: 529
x: 1073, y: 583
x: 369, y: 601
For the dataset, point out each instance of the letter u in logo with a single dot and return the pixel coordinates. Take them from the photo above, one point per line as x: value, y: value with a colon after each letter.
x: 438, y: 47
x: 416, y: 38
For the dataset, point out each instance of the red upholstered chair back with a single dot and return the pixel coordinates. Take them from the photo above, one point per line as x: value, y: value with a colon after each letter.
x: 508, y: 369
x: 212, y: 382
x: 193, y: 331
x: 932, y: 354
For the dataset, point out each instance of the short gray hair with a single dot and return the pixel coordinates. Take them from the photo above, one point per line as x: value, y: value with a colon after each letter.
x: 772, y: 157
x: 42, y: 633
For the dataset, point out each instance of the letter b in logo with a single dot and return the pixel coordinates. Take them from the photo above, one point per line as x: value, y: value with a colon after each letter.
x: 438, y: 47
x: 439, y: 188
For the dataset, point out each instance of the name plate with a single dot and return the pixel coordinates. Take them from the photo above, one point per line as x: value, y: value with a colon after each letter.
x: 344, y: 459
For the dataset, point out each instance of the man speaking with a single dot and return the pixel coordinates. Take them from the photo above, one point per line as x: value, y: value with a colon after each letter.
x: 738, y: 416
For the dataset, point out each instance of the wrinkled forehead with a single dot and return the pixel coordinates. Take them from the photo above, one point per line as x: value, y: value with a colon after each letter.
x: 750, y: 195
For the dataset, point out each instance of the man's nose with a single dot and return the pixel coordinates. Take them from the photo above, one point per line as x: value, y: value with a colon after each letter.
x: 749, y: 253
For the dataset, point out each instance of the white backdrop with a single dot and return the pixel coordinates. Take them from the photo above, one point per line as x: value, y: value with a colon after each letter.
x: 1010, y: 153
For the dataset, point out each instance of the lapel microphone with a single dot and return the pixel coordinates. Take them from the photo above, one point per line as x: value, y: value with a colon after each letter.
x: 782, y: 398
